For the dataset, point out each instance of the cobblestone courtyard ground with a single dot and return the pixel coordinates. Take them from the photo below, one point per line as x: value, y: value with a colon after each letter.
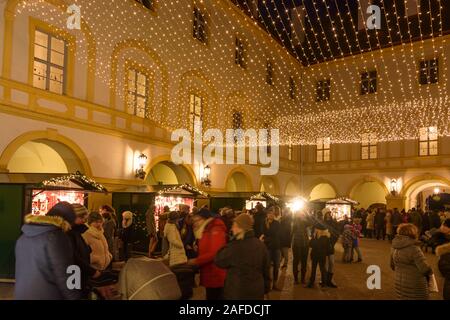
x: 350, y: 278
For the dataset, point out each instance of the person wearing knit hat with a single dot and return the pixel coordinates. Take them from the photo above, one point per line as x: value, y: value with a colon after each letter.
x: 81, y: 212
x: 247, y: 263
x: 63, y: 210
x: 244, y: 222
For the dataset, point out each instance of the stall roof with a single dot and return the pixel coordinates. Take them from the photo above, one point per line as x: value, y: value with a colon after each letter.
x: 343, y: 200
x: 74, y: 181
x: 265, y: 196
x: 179, y: 189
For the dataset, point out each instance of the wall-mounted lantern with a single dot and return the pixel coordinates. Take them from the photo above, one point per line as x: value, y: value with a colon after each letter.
x: 141, y: 161
x: 394, y: 187
x: 205, y: 179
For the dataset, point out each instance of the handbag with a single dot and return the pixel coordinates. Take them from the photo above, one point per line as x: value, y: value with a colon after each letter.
x: 432, y: 284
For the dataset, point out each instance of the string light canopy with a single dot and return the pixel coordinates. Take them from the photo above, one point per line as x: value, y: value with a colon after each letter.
x: 311, y: 40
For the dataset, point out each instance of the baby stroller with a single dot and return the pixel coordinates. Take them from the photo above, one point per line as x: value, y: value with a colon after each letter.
x: 148, y: 279
x: 104, y: 287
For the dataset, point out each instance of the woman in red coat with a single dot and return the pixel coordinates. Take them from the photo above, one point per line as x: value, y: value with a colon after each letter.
x: 211, y: 234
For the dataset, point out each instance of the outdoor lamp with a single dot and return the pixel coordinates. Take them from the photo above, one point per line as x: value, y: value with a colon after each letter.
x: 205, y: 179
x: 393, y: 186
x: 436, y: 190
x: 142, y: 161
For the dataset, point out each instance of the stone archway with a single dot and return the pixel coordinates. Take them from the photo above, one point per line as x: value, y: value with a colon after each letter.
x: 44, y: 152
x: 422, y: 184
x: 368, y: 191
x: 168, y: 173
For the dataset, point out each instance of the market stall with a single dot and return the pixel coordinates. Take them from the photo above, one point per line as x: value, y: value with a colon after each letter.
x: 266, y: 199
x: 73, y: 188
x: 341, y: 207
x: 177, y: 195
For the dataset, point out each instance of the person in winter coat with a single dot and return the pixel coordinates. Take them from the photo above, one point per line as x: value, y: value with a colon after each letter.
x: 411, y: 269
x: 379, y: 224
x: 357, y: 234
x: 82, y: 252
x: 126, y: 233
x: 320, y: 249
x: 150, y: 224
x: 271, y: 237
x: 333, y: 228
x: 211, y: 234
x: 300, y: 245
x: 443, y: 252
x: 247, y: 263
x: 43, y: 254
x: 348, y: 237
x: 370, y: 224
x: 396, y: 220
x: 176, y: 254
x: 95, y: 239
x: 188, y: 237
x: 425, y: 222
x: 435, y: 220
x: 389, y: 227
x: 109, y: 226
x: 260, y: 218
x: 286, y: 235
x: 416, y: 219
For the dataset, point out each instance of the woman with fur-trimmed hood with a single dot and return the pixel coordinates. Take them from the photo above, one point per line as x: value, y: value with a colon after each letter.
x: 43, y: 254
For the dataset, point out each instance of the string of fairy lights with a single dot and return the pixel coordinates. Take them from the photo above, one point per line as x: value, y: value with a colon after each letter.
x: 396, y: 111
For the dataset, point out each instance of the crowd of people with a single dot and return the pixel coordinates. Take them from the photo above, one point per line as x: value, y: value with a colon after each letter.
x: 68, y: 235
x: 238, y: 254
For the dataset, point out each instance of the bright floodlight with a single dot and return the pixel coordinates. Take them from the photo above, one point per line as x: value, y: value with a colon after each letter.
x: 436, y: 190
x: 297, y: 204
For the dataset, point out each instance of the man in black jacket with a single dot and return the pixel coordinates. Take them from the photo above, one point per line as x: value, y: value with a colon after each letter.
x: 271, y: 237
x: 43, y: 256
x: 320, y: 248
x: 380, y: 229
x: 259, y: 218
x: 247, y: 263
x: 396, y: 221
x: 300, y: 245
x: 286, y: 236
x: 80, y: 249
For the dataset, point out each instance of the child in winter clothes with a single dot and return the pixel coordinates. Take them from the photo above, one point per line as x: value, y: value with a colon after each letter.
x: 320, y: 247
x: 357, y: 234
x: 347, y: 242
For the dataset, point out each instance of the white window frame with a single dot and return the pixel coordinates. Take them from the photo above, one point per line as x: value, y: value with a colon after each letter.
x: 194, y: 101
x: 428, y: 141
x: 323, y: 90
x: 292, y: 88
x: 136, y: 95
x: 369, y: 82
x: 323, y: 150
x: 430, y: 65
x: 199, y: 26
x: 239, y: 55
x: 369, y: 146
x: 269, y: 73
x: 49, y: 65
